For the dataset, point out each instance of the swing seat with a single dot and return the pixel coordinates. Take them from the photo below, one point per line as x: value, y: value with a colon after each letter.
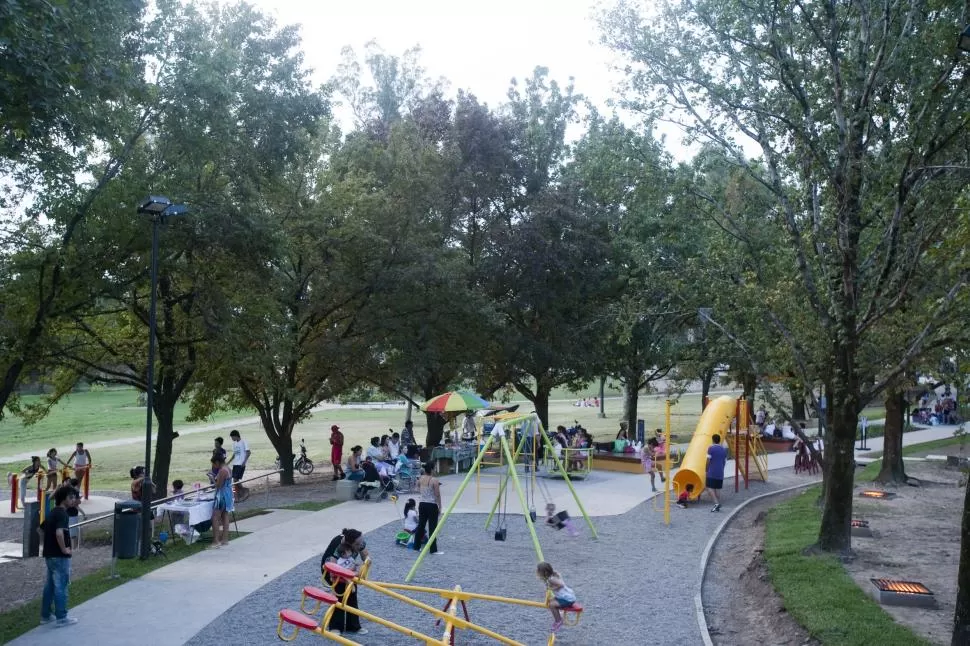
x: 299, y: 621
x: 320, y: 596
x: 572, y: 614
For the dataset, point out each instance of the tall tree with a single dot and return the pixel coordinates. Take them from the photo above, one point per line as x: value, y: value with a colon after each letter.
x: 858, y: 111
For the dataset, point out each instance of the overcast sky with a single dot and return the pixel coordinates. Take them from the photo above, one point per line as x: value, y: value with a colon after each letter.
x: 478, y: 46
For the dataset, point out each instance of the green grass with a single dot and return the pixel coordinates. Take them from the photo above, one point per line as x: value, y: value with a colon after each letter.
x: 817, y: 590
x: 104, y: 415
x: 21, y: 619
x: 310, y: 505
x: 871, y: 470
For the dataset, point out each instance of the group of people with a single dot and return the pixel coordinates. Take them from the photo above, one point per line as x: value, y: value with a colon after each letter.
x: 80, y: 461
x: 384, y: 453
x: 769, y: 429
x: 943, y: 409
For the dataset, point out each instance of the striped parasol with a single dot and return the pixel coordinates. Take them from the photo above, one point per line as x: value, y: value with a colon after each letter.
x: 454, y: 402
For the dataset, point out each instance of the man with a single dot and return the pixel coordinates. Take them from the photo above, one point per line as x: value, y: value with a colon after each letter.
x: 217, y: 450
x: 82, y: 462
x: 337, y: 452
x: 57, y: 555
x: 716, y: 459
x: 394, y: 445
x: 468, y: 428
x: 240, y: 456
x: 761, y: 416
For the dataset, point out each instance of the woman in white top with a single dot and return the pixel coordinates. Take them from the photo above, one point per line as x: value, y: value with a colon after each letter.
x: 429, y: 490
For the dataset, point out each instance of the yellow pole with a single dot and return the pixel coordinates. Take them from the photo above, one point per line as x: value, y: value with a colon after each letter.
x: 667, y: 449
x: 518, y: 490
x: 450, y: 624
x: 462, y: 595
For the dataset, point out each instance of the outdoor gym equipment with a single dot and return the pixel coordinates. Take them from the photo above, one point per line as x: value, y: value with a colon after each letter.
x: 498, y: 435
x: 448, y: 615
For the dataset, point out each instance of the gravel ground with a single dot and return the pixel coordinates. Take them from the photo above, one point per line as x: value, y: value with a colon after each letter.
x: 637, y: 581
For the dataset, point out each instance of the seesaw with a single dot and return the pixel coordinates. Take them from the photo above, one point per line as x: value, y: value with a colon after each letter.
x: 449, y: 614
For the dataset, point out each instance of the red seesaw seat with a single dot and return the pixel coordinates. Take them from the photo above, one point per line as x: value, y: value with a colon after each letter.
x: 322, y: 597
x: 297, y: 619
x: 569, y: 620
x: 338, y: 572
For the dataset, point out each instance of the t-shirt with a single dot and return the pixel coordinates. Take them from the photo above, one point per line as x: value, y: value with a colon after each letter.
x: 717, y: 457
x: 239, y: 450
x: 394, y: 449
x: 219, y: 453
x: 560, y: 590
x: 411, y: 521
x: 375, y: 452
x: 56, y: 521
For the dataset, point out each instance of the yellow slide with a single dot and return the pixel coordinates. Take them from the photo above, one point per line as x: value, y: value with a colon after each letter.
x: 716, y: 418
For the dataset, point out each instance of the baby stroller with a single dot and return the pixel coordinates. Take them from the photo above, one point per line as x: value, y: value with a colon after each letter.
x: 373, y: 484
x: 408, y: 472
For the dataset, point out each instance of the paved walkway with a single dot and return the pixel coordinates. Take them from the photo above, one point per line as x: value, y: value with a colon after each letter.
x: 208, y: 584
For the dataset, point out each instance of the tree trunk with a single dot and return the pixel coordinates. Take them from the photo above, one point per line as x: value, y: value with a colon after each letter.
x: 961, y: 617
x: 436, y: 429
x: 631, y: 400
x: 839, y: 472
x: 798, y: 412
x: 707, y: 376
x: 164, y: 417
x: 284, y: 449
x: 541, y: 403
x: 893, y: 469
x: 749, y: 382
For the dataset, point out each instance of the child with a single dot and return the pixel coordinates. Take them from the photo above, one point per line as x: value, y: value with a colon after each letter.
x: 410, y: 516
x: 75, y: 513
x: 345, y: 557
x: 646, y: 459
x: 559, y: 520
x: 52, y: 462
x: 177, y: 488
x: 28, y: 473
x: 562, y: 595
x: 684, y: 498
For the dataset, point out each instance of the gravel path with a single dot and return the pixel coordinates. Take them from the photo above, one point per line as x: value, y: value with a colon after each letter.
x: 637, y: 582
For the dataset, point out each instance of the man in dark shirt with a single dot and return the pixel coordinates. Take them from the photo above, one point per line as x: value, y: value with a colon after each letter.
x: 57, y: 554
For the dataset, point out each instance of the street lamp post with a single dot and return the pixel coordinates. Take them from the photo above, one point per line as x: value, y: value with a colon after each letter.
x: 158, y: 208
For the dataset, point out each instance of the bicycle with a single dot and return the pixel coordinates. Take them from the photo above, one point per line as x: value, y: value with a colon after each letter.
x: 303, y: 463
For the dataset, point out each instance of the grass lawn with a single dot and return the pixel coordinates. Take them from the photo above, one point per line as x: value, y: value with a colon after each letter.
x: 111, y: 415
x: 871, y: 470
x: 817, y: 590
x: 18, y: 621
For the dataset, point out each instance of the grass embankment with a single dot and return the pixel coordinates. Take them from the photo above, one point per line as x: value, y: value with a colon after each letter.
x: 817, y: 590
x: 114, y: 415
x: 871, y: 470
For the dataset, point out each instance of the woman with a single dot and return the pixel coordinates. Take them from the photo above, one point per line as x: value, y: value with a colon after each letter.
x: 355, y: 471
x: 137, y: 482
x: 222, y: 503
x: 429, y: 490
x: 340, y: 621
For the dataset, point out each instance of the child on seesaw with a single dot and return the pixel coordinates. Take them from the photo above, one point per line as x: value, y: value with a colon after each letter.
x: 562, y: 594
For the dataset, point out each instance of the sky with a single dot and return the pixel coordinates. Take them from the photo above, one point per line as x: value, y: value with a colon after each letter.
x: 477, y: 46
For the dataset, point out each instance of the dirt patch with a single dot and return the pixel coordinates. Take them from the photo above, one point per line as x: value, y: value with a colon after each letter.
x: 740, y: 604
x: 916, y: 537
x: 23, y: 579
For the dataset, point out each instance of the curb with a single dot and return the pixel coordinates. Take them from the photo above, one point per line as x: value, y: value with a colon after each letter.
x: 706, y: 555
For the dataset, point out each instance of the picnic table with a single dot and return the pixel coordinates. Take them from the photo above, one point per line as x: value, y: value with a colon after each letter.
x: 449, y: 459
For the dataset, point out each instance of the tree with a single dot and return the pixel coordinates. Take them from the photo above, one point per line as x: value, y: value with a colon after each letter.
x: 858, y: 113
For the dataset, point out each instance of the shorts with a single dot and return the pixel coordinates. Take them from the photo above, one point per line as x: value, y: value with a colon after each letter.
x: 74, y: 529
x: 647, y: 465
x: 715, y: 483
x: 237, y: 471
x: 564, y: 603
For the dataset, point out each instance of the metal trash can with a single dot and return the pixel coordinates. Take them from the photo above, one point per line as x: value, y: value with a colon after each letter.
x: 31, y: 544
x: 346, y: 489
x: 127, y: 529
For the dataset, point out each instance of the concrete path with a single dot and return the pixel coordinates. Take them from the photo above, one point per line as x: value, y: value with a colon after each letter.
x: 209, y: 583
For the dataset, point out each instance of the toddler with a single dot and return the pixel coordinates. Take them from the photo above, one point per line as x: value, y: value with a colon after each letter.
x: 562, y: 594
x: 684, y: 498
x: 559, y: 520
x: 345, y: 557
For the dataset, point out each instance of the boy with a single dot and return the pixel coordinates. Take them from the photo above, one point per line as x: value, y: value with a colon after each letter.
x: 716, y: 459
x: 684, y: 498
x: 240, y: 456
x: 57, y: 554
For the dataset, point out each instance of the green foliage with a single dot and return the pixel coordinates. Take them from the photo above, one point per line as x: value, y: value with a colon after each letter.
x: 817, y: 590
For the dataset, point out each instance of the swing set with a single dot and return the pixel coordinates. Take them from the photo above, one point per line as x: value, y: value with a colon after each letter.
x: 511, y: 476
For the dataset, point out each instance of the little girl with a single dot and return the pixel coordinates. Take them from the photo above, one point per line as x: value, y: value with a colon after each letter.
x: 410, y: 516
x: 52, y: 462
x: 646, y: 459
x: 562, y: 595
x: 559, y: 520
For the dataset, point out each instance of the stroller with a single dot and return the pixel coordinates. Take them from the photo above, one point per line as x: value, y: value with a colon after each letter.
x: 373, y: 484
x: 408, y: 472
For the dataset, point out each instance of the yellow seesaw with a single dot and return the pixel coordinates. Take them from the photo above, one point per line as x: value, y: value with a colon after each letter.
x: 449, y: 614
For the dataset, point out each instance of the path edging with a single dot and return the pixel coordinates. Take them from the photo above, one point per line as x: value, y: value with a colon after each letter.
x: 706, y: 555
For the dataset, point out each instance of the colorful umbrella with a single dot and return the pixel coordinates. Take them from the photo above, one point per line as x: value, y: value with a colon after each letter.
x: 454, y: 402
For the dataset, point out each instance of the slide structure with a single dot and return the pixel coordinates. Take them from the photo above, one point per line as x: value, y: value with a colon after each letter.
x: 716, y: 418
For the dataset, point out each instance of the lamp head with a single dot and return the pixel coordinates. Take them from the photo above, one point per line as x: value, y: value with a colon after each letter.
x: 153, y: 205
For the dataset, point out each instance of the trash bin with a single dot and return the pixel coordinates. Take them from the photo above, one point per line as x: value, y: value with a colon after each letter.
x: 127, y: 529
x: 346, y: 489
x: 31, y: 544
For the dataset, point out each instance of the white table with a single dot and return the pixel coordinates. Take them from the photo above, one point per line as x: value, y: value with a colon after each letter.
x: 197, y: 511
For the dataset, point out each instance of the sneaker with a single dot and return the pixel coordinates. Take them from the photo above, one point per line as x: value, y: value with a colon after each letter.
x: 556, y: 625
x: 682, y: 505
x: 335, y: 631
x: 362, y: 631
x: 46, y: 620
x: 438, y: 553
x: 716, y: 507
x: 66, y: 621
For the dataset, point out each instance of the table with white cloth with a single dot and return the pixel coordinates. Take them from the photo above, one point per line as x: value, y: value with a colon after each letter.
x: 196, y: 513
